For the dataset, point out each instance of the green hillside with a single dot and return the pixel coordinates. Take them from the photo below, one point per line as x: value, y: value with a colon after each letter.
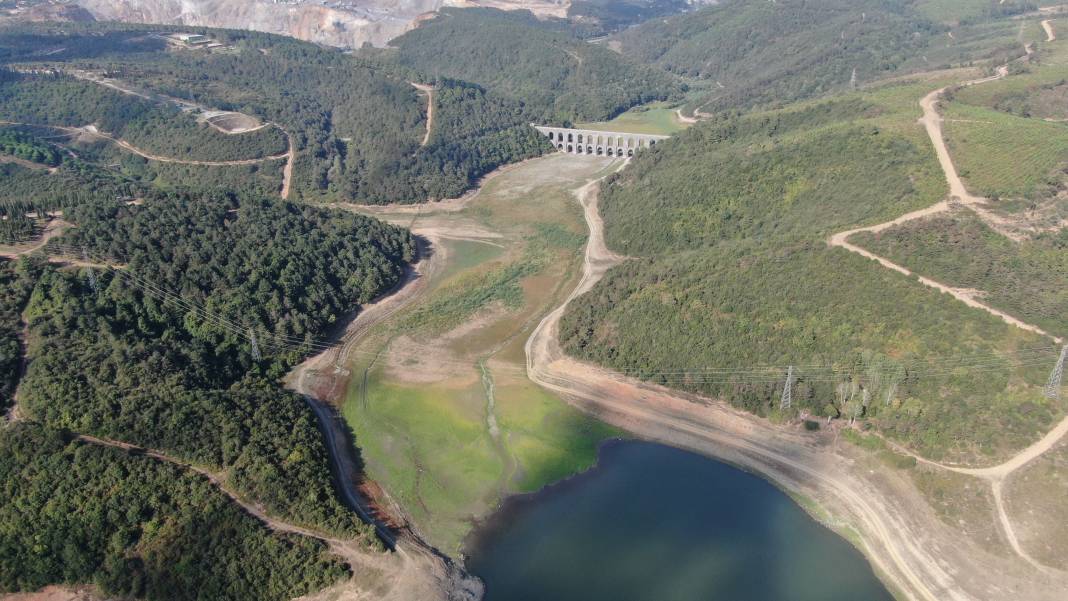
x: 1025, y: 279
x: 770, y: 53
x: 358, y: 125
x: 78, y: 514
x: 555, y: 75
x: 735, y: 273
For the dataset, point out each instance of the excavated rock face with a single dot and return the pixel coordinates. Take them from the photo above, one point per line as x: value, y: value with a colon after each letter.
x: 350, y: 25
x: 59, y: 12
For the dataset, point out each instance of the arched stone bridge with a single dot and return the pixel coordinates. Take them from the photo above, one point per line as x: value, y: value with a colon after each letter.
x: 601, y: 143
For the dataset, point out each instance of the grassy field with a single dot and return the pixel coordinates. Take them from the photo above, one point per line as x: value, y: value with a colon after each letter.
x: 447, y: 421
x: 1000, y: 155
x: 655, y: 118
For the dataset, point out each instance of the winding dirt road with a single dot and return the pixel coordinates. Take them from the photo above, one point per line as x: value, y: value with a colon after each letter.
x: 429, y: 91
x: 1050, y: 34
x: 932, y: 121
x: 995, y: 475
x: 290, y: 155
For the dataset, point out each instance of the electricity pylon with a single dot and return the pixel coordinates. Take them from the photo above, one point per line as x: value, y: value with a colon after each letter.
x: 787, y: 396
x: 1053, y: 387
x: 89, y: 270
x: 255, y: 345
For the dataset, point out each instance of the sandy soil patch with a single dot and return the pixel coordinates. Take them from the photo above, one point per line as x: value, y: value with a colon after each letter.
x: 55, y: 593
x: 234, y: 123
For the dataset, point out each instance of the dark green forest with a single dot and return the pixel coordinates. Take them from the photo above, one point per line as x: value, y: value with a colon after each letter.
x: 555, y: 75
x: 357, y: 121
x: 23, y: 146
x: 109, y: 356
x: 119, y: 362
x: 772, y: 53
x: 77, y: 513
x: 16, y: 283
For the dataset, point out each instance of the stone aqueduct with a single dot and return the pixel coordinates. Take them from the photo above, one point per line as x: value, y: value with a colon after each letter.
x: 601, y: 143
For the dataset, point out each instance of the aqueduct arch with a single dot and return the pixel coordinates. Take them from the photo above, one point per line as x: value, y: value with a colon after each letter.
x: 599, y: 143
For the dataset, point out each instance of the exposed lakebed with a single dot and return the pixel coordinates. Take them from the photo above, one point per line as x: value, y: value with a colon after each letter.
x: 651, y: 522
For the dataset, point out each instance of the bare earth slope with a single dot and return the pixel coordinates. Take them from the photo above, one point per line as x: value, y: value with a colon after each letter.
x: 359, y: 21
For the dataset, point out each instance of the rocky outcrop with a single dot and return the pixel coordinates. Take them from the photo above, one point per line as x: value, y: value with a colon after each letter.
x: 58, y: 12
x: 344, y: 23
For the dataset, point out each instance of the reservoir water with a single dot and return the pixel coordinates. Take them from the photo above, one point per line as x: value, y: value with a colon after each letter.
x: 654, y: 523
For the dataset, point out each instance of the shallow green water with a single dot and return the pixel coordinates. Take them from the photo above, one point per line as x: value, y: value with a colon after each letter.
x: 653, y: 523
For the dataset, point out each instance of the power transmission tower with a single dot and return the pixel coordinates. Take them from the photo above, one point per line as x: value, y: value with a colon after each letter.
x: 1053, y: 387
x: 255, y: 345
x: 89, y: 270
x: 787, y: 395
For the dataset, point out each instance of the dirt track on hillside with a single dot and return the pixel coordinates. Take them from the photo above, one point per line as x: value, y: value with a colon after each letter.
x: 429, y: 91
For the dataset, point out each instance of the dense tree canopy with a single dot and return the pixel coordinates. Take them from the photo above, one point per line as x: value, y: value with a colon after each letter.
x: 121, y: 362
x: 775, y: 52
x: 357, y: 121
x: 557, y: 76
x: 16, y: 283
x: 77, y: 513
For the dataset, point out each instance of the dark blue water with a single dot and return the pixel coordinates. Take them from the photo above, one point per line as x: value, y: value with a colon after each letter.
x: 653, y: 523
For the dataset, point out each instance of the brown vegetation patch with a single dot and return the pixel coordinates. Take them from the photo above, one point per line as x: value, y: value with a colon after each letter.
x: 1035, y: 501
x: 963, y: 503
x: 414, y: 362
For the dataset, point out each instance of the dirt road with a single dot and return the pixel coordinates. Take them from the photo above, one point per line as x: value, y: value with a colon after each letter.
x: 1050, y: 34
x: 287, y: 171
x: 55, y: 228
x: 429, y: 91
x: 932, y: 122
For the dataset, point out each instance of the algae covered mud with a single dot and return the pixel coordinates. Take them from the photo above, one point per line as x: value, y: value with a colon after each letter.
x: 449, y: 425
x: 654, y: 522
